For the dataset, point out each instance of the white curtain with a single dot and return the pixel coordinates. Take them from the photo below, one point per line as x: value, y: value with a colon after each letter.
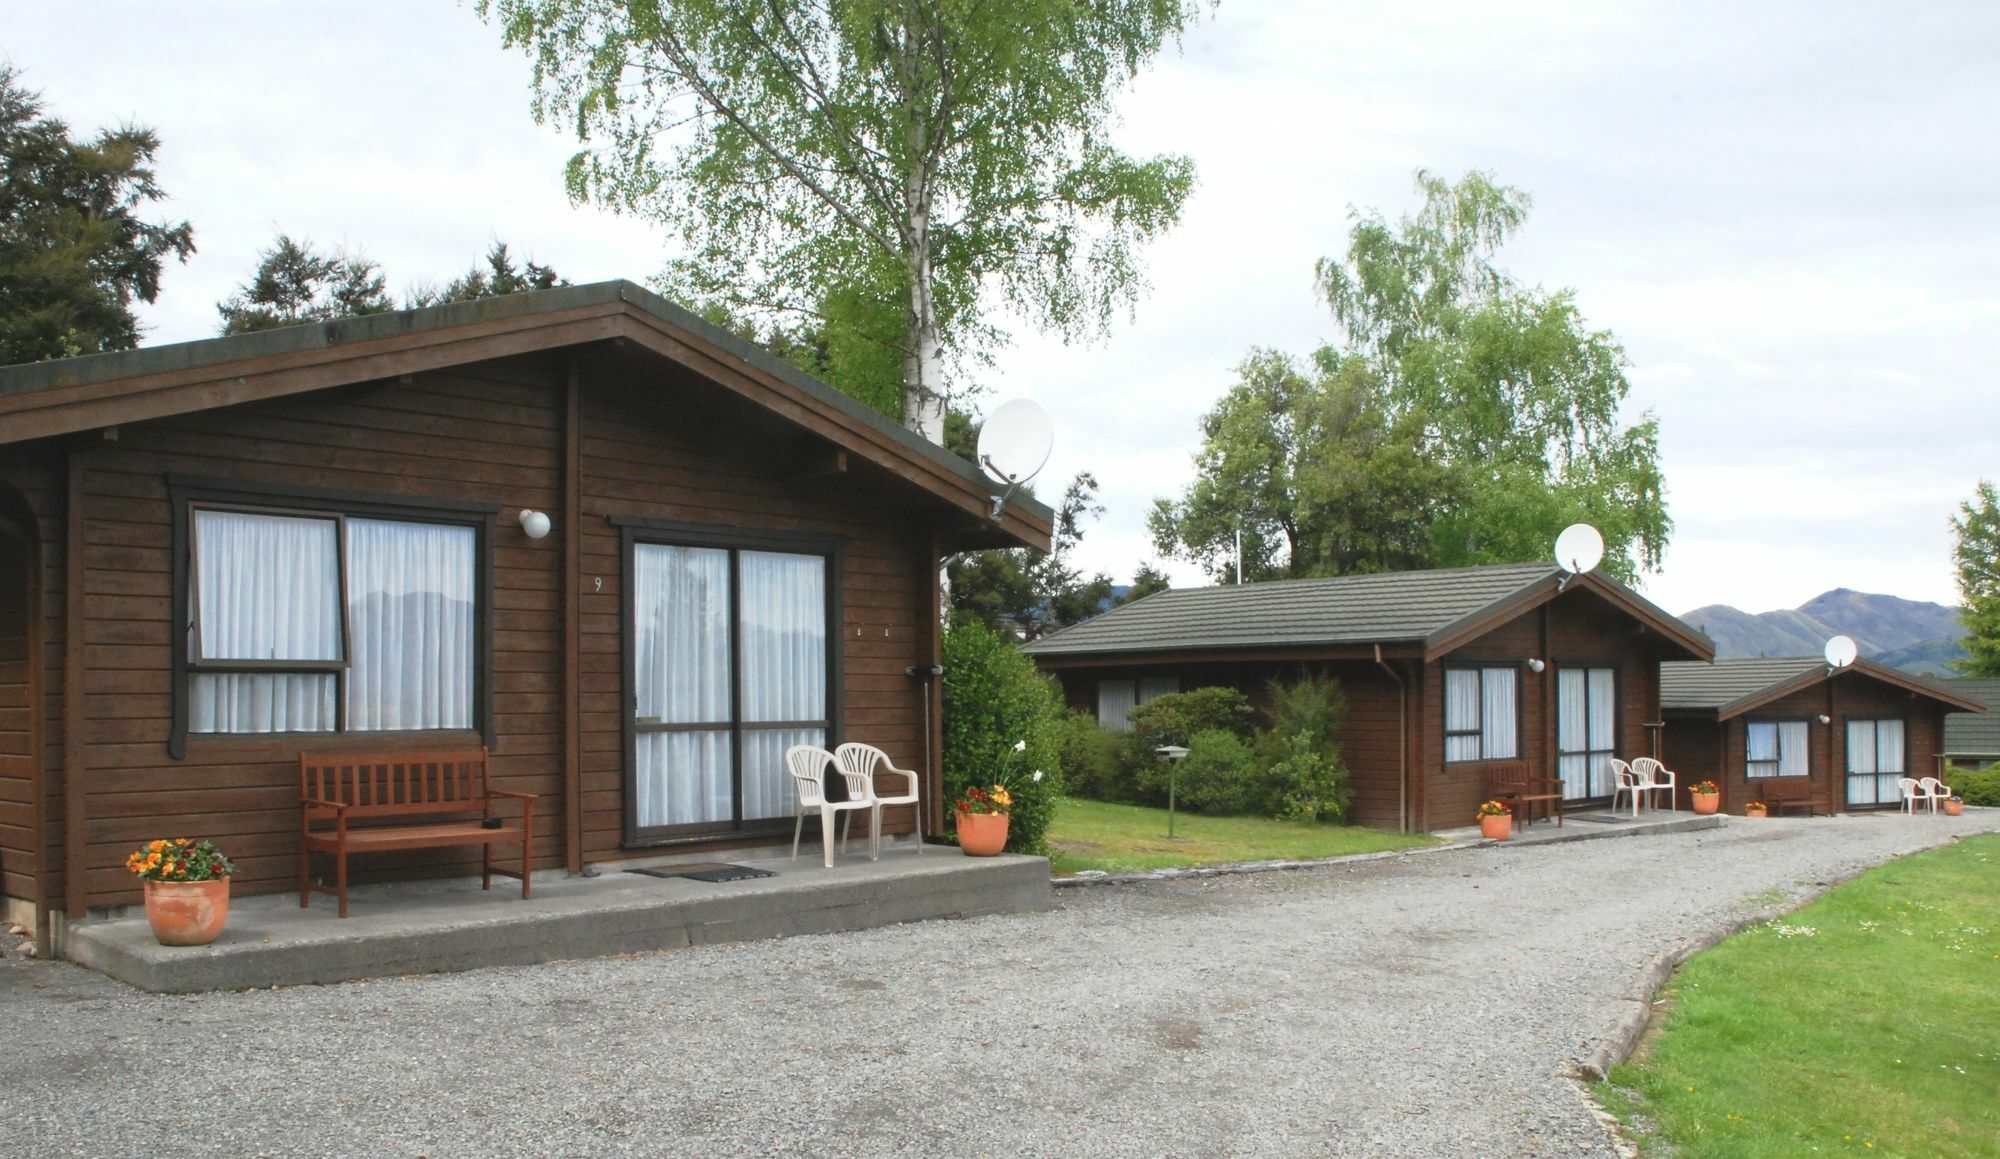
x: 1874, y: 761
x: 410, y: 614
x: 782, y: 613
x: 1573, y: 761
x: 680, y: 636
x: 1115, y: 700
x: 266, y: 587
x: 1498, y: 724
x: 1776, y: 748
x: 1760, y: 748
x: 1461, y: 714
x: 1792, y: 748
x: 1603, y: 730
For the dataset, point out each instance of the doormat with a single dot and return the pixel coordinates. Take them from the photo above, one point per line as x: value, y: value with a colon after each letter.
x: 706, y: 871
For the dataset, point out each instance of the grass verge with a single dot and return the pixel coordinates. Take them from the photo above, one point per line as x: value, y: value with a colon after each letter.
x: 1867, y: 1023
x: 1131, y: 838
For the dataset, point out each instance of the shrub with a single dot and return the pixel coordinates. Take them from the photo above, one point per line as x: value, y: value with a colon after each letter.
x: 1218, y: 776
x: 1091, y: 756
x: 1301, y: 750
x: 1176, y: 717
x: 992, y: 699
x: 1978, y: 788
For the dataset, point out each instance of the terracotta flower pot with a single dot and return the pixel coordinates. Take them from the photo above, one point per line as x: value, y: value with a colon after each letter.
x: 1706, y: 802
x: 1953, y: 808
x: 1496, y: 828
x: 1756, y: 811
x: 187, y: 913
x: 982, y: 834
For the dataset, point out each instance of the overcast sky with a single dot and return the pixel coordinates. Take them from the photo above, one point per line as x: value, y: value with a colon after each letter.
x: 1785, y: 211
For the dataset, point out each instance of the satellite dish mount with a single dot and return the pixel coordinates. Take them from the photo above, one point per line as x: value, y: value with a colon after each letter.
x: 1014, y: 445
x: 1840, y: 652
x: 1578, y: 549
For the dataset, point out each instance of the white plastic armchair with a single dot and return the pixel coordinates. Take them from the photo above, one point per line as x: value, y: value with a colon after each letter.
x: 808, y: 766
x: 871, y: 763
x: 1656, y: 776
x: 1913, y: 791
x: 1628, y: 782
x: 1938, y: 790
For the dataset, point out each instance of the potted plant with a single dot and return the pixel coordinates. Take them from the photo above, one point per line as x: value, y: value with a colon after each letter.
x: 982, y: 820
x: 187, y: 889
x: 1756, y: 809
x: 1954, y: 805
x: 1496, y: 821
x: 1706, y: 796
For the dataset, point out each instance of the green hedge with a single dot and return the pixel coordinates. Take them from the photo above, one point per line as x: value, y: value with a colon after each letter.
x: 1980, y: 788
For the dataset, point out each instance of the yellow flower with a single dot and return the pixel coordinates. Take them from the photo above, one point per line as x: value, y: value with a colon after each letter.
x: 1002, y: 797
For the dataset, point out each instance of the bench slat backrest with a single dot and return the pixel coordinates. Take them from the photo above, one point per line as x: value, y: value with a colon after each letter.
x: 397, y: 784
x: 1508, y: 777
x: 1786, y: 788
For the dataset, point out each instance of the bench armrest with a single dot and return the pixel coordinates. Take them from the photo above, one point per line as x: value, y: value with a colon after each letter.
x: 518, y: 796
x: 316, y: 803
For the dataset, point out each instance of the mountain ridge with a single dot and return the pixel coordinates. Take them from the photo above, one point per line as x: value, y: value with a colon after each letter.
x: 1914, y: 635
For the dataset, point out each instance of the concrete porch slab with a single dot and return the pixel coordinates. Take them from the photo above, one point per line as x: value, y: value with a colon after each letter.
x: 1591, y: 824
x: 442, y: 926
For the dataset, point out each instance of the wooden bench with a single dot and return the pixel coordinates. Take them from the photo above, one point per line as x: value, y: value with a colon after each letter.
x: 1781, y: 793
x: 377, y: 802
x: 1513, y: 784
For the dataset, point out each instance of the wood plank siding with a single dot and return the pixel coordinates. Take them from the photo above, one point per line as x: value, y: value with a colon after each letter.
x: 652, y: 441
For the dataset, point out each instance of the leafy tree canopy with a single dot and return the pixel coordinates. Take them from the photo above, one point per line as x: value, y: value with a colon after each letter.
x: 1976, y: 554
x: 296, y: 282
x: 929, y: 158
x: 74, y: 253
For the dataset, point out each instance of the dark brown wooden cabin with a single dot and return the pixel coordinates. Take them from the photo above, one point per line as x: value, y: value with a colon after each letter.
x: 797, y: 531
x: 1847, y: 733
x: 1446, y: 673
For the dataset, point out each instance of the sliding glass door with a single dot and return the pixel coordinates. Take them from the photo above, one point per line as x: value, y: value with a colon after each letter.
x: 1586, y: 731
x: 729, y: 668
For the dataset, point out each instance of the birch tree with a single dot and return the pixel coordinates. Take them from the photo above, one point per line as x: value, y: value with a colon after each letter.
x: 950, y: 156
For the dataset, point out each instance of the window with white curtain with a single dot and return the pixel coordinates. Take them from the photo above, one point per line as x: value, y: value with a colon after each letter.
x: 730, y: 668
x: 1117, y: 698
x: 1775, y: 748
x: 1875, y: 761
x: 1481, y: 722
x: 1586, y: 730
x: 304, y: 621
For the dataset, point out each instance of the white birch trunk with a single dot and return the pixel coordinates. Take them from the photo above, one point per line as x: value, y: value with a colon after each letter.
x: 923, y: 386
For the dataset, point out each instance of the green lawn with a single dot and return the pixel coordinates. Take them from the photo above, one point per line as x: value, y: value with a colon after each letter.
x: 1128, y: 838
x: 1867, y: 1023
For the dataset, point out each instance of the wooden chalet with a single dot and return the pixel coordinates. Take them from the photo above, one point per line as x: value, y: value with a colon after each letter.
x: 1835, y: 739
x: 217, y: 555
x: 1972, y: 739
x: 1447, y: 674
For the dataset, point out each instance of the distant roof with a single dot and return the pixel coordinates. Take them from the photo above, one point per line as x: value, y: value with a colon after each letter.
x: 1430, y: 608
x: 1731, y: 687
x: 61, y: 396
x: 1971, y: 733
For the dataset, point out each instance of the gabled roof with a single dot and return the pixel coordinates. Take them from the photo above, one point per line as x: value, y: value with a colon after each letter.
x: 1732, y: 687
x: 1435, y: 610
x: 42, y: 399
x: 1970, y: 733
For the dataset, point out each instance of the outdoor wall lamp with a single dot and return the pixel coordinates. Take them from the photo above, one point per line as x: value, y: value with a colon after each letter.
x: 535, y: 523
x: 1535, y: 665
x: 1825, y: 719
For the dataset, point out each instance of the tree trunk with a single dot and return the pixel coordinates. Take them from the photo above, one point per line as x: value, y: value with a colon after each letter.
x: 923, y: 393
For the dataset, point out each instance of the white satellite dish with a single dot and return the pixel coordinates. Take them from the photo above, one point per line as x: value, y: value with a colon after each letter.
x: 1579, y: 549
x: 1014, y: 445
x: 1840, y: 652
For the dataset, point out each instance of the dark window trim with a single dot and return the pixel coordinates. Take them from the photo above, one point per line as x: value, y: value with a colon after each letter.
x: 185, y: 492
x: 1444, y: 712
x: 1847, y: 750
x: 1617, y: 707
x: 635, y: 530
x: 1780, y: 736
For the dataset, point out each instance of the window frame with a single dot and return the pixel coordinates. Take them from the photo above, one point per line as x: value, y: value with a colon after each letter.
x: 189, y: 493
x: 1586, y: 667
x: 633, y: 531
x: 1444, y: 712
x: 1778, y: 761
x: 1139, y: 697
x: 1847, y: 755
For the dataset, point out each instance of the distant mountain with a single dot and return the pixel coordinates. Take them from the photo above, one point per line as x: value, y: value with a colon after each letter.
x: 1909, y: 634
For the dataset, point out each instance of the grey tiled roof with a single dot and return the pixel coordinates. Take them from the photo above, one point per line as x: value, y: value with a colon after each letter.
x: 1973, y: 733
x: 1691, y: 684
x: 1362, y: 609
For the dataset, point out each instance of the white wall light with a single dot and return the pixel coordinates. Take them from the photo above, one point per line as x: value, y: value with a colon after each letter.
x: 1536, y: 665
x: 535, y: 523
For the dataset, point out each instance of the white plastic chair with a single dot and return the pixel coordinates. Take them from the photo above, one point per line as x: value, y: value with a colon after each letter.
x: 1628, y: 782
x: 808, y: 766
x: 871, y: 763
x: 1656, y: 777
x: 1913, y: 791
x: 1937, y: 789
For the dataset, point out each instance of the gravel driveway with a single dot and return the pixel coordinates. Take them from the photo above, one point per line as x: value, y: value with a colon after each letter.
x: 1422, y: 1005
